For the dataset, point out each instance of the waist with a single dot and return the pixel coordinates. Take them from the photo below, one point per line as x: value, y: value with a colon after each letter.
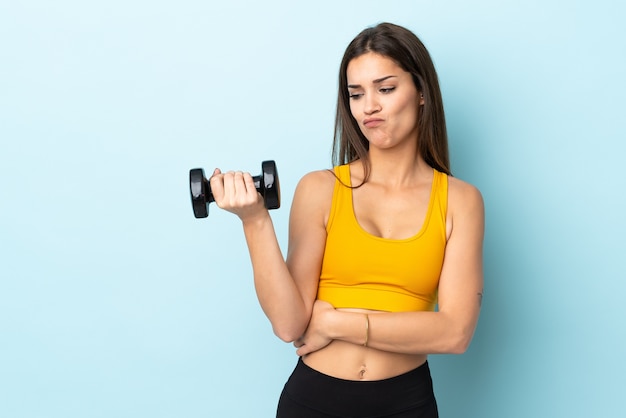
x: 410, y: 391
x: 349, y: 361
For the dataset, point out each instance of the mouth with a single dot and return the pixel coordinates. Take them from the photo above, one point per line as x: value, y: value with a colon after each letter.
x: 372, y: 122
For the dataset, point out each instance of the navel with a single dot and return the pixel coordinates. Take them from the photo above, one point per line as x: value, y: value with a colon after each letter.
x: 362, y: 372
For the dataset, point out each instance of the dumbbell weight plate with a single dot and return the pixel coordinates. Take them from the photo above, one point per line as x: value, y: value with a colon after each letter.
x: 270, y: 189
x: 200, y: 194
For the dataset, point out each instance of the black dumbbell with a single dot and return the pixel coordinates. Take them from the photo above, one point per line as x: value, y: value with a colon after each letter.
x: 266, y: 184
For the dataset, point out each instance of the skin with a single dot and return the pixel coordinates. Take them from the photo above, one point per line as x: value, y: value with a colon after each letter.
x: 392, y: 204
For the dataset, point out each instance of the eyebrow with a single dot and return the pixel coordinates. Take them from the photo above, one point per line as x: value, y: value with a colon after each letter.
x: 377, y: 81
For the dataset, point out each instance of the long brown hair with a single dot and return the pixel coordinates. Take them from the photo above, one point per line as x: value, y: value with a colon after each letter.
x: 406, y: 50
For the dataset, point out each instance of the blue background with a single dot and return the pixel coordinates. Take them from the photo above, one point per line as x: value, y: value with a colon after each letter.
x: 116, y: 302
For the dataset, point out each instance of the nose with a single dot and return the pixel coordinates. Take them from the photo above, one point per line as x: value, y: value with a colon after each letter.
x: 372, y: 105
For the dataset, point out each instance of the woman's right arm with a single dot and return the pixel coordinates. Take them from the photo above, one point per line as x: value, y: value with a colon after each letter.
x: 286, y: 289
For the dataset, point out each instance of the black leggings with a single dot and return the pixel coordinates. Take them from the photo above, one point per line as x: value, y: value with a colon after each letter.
x: 311, y: 394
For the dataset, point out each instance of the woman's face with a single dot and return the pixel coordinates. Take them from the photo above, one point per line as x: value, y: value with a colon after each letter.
x: 383, y: 100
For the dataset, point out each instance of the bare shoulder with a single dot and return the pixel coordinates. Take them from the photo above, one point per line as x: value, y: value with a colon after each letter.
x: 464, y: 198
x: 322, y: 179
x: 314, y: 193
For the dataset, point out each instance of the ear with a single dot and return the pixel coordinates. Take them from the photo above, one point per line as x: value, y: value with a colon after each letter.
x: 421, y: 99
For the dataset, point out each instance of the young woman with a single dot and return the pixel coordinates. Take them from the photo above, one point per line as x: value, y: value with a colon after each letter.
x: 384, y: 264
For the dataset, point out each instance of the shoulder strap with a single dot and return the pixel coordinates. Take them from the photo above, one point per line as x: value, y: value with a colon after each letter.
x: 442, y: 195
x: 340, y: 193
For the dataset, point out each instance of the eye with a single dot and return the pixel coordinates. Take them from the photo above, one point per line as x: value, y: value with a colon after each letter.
x: 355, y: 96
x: 387, y: 90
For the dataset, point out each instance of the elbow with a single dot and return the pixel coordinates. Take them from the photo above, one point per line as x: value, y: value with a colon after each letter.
x: 460, y: 347
x: 287, y: 334
x: 456, y: 335
x: 290, y: 328
x: 459, y: 343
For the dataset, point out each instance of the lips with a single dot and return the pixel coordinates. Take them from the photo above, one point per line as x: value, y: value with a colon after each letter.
x: 372, y: 122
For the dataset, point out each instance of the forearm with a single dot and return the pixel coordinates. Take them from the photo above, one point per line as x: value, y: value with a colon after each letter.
x: 404, y: 332
x: 276, y: 289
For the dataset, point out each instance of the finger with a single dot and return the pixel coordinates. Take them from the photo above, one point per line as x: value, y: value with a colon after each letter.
x: 217, y: 184
x: 239, y: 184
x: 249, y: 181
x: 229, y: 184
x: 302, y: 351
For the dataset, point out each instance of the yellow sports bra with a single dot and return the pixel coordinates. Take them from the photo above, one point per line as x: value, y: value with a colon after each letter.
x: 361, y: 270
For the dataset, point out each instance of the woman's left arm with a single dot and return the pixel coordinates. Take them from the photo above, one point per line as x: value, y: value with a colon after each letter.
x: 448, y: 330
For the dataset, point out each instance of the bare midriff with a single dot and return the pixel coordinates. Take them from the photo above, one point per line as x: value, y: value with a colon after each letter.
x: 350, y: 361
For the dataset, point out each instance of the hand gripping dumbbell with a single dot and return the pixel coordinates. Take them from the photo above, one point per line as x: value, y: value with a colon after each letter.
x: 266, y: 184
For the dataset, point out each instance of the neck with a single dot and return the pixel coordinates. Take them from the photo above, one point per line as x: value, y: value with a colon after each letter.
x: 397, y: 169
